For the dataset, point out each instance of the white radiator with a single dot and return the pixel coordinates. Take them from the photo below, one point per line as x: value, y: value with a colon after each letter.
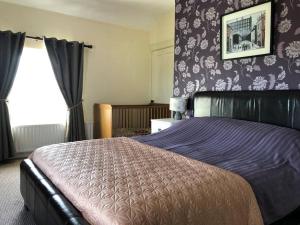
x: 29, y: 138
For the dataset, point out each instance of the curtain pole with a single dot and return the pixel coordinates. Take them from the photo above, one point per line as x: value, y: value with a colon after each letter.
x: 40, y: 39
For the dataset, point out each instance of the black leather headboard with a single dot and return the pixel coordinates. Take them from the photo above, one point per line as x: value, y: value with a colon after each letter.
x: 275, y: 107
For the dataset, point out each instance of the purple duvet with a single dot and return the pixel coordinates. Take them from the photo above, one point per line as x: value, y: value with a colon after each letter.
x: 267, y: 156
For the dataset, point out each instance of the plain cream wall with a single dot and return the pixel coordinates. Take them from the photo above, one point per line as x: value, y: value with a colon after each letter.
x: 117, y: 69
x: 163, y: 31
x: 162, y: 57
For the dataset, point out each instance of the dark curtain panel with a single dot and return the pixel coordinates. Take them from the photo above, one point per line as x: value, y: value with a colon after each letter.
x: 67, y: 63
x: 11, y: 46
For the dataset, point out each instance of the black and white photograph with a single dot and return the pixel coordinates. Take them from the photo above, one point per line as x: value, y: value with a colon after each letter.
x: 247, y: 32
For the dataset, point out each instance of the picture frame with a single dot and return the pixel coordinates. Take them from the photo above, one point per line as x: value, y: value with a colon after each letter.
x: 247, y: 32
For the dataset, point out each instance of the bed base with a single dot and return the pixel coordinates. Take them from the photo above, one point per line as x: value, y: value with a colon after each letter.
x: 49, y: 206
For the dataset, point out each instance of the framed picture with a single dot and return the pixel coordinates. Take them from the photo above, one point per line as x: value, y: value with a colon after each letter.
x: 247, y: 32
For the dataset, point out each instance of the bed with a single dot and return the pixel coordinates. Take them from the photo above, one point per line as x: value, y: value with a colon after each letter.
x: 265, y: 109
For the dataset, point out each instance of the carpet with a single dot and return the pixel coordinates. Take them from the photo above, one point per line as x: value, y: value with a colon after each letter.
x: 12, y: 211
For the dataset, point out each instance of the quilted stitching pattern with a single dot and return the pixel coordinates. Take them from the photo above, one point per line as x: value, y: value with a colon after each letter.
x: 120, y: 181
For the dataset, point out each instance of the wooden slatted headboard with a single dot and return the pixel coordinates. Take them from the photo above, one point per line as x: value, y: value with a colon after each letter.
x: 126, y: 120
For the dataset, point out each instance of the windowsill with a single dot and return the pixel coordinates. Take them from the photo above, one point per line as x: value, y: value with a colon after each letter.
x: 46, y: 124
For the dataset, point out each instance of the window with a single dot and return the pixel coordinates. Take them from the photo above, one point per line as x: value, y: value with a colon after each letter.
x: 35, y: 97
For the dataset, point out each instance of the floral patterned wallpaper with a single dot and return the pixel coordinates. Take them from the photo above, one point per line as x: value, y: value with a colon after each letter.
x: 198, y: 66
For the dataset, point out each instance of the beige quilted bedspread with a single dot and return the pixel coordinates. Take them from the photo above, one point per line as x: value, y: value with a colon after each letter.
x: 120, y: 181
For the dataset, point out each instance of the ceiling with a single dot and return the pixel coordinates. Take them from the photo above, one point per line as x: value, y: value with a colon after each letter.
x: 139, y: 14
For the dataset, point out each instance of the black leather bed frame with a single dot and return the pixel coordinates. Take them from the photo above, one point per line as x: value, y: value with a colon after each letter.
x: 49, y: 206
x: 280, y: 108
